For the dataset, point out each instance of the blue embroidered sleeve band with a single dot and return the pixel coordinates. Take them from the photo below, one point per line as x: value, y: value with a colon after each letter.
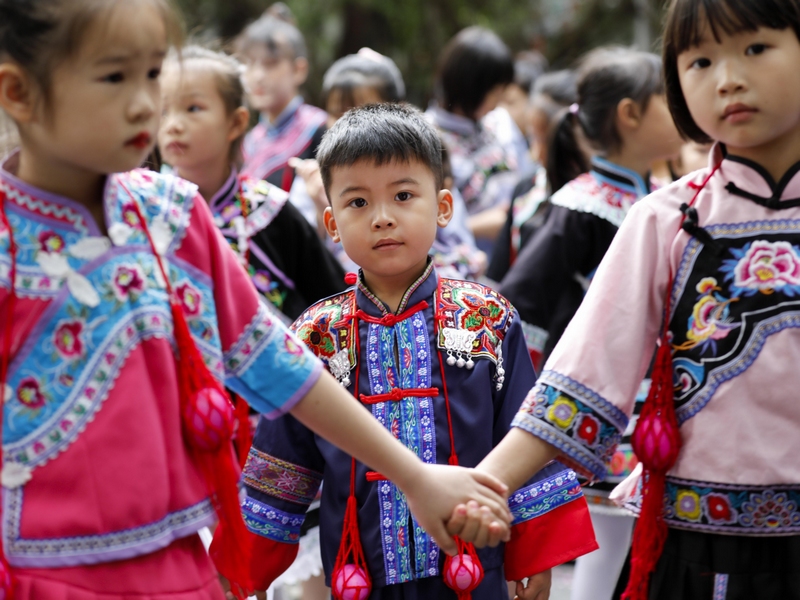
x: 272, y: 523
x: 544, y: 496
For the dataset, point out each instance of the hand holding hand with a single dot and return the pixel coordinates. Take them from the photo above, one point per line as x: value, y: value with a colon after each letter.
x: 472, y: 523
x: 537, y: 587
x: 433, y: 495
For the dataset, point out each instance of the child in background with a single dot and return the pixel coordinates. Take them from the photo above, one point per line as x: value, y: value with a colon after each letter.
x: 109, y: 441
x: 706, y: 268
x: 369, y: 77
x: 622, y: 113
x: 204, y: 120
x: 551, y: 94
x: 276, y: 60
x: 473, y: 71
x: 509, y: 121
x: 441, y: 363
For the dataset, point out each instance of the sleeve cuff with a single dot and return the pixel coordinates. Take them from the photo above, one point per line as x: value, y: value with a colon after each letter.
x: 552, y: 539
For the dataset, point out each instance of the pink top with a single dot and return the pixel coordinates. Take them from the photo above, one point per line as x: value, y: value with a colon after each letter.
x: 95, y: 463
x: 735, y: 338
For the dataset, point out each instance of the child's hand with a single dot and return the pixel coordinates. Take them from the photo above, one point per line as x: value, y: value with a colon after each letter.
x: 309, y: 171
x: 476, y: 524
x: 433, y: 495
x: 536, y: 588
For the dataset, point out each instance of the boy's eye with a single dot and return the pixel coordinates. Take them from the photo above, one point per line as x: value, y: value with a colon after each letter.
x: 700, y: 63
x: 403, y: 196
x: 193, y: 108
x: 117, y: 77
x: 754, y: 49
x: 358, y: 203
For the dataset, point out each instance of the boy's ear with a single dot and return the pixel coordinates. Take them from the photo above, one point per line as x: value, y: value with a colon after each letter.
x: 445, y: 206
x: 17, y: 93
x: 300, y: 71
x: 239, y: 121
x: 330, y: 225
x: 629, y: 114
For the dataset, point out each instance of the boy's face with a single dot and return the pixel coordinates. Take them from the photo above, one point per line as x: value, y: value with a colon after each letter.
x: 386, y: 217
x: 272, y: 81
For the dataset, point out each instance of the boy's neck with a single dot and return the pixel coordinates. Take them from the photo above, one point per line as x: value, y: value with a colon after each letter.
x: 209, y: 178
x: 391, y: 289
x: 84, y: 187
x: 272, y: 114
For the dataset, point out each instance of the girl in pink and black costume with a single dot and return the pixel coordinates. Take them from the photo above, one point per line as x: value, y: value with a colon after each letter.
x: 707, y: 268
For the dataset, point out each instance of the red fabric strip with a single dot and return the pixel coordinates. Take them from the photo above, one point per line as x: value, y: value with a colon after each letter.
x: 397, y: 394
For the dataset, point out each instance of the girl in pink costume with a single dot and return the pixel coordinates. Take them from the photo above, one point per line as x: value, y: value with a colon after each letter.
x: 708, y: 268
x: 103, y: 272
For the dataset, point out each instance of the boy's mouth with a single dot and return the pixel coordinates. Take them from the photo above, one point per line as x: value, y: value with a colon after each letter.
x: 387, y: 244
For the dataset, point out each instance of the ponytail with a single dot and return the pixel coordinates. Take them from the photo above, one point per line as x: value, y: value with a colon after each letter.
x: 565, y: 158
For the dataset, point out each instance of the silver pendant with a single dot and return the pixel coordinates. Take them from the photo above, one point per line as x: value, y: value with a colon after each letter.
x: 340, y: 367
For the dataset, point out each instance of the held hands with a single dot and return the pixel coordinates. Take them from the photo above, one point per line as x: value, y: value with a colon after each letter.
x: 432, y: 496
x: 473, y: 523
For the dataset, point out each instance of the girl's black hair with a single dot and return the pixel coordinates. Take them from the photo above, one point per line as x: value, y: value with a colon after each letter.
x: 470, y: 66
x: 685, y: 22
x: 40, y: 34
x: 365, y: 69
x: 606, y: 76
x: 554, y: 91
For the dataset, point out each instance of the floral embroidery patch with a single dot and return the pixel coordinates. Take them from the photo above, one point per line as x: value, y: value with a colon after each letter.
x: 764, y: 267
x: 280, y: 478
x: 727, y: 508
x: 272, y: 523
x: 543, y: 496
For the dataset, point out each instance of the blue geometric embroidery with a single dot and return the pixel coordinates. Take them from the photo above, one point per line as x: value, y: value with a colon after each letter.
x: 412, y: 422
x: 543, y: 496
x: 720, y: 586
x: 272, y: 523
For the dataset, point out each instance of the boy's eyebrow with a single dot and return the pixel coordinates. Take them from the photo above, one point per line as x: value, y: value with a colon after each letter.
x: 352, y: 188
x: 406, y: 180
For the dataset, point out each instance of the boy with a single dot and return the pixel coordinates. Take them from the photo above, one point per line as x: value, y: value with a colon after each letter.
x: 275, y: 54
x: 441, y: 363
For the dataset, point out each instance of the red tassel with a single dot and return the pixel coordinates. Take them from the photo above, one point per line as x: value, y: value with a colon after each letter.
x: 351, y: 579
x: 207, y: 417
x: 464, y: 571
x: 656, y: 442
x: 244, y: 433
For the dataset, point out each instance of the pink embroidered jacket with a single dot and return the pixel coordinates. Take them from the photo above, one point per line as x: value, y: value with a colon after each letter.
x: 735, y: 340
x: 95, y: 464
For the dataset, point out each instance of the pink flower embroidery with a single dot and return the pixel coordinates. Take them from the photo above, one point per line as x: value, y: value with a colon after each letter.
x: 50, y: 241
x: 191, y: 300
x: 129, y: 216
x: 128, y: 280
x: 767, y: 266
x: 30, y: 395
x: 292, y: 347
x: 67, y: 339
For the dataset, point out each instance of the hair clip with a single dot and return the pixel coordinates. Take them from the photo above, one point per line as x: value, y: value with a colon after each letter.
x: 574, y: 108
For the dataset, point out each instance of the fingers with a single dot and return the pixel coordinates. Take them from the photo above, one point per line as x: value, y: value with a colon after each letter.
x: 457, y: 520
x: 498, y: 507
x: 441, y: 537
x: 487, y: 518
x: 498, y: 533
x: 492, y: 482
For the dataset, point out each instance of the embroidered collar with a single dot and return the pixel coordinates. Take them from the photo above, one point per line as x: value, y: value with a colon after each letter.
x: 73, y: 213
x: 620, y: 177
x: 748, y: 179
x: 275, y: 127
x: 452, y: 122
x: 226, y: 194
x: 421, y: 289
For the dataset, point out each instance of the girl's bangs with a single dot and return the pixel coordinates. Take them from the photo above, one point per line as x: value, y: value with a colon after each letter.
x: 688, y: 22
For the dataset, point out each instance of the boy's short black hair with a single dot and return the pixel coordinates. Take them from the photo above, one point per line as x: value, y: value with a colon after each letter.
x: 684, y: 25
x: 472, y: 63
x: 381, y: 133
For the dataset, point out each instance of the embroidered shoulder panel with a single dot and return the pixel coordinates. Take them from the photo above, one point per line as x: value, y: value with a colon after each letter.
x: 264, y: 202
x: 474, y: 308
x: 162, y: 198
x: 588, y: 194
x: 728, y: 301
x: 327, y: 329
